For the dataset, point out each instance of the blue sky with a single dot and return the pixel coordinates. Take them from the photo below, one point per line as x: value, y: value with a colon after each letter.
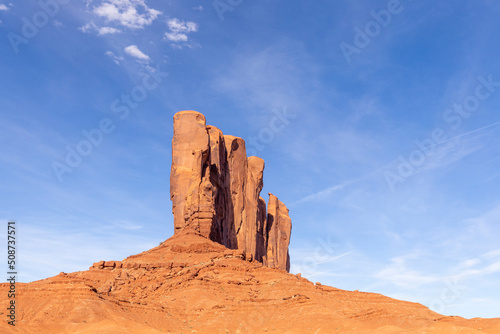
x: 386, y: 149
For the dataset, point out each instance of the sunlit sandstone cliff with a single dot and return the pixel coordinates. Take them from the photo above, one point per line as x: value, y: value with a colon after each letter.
x: 215, y: 190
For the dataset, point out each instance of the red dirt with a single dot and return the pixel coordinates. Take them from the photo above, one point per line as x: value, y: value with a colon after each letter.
x: 190, y: 284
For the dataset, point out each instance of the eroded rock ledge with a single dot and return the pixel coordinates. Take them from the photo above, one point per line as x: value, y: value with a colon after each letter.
x: 215, y: 190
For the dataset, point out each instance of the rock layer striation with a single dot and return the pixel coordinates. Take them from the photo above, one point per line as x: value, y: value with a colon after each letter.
x: 215, y: 191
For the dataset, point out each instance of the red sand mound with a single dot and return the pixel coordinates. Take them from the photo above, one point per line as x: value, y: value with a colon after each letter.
x: 190, y: 284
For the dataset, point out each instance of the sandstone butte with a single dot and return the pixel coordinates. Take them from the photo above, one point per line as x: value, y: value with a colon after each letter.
x: 215, y: 191
x: 225, y: 269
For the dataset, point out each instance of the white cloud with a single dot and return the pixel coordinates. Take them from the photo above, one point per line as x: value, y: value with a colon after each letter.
x: 108, y: 30
x: 175, y: 37
x: 57, y: 23
x: 198, y: 8
x: 177, y: 25
x: 3, y: 7
x: 133, y: 14
x: 134, y: 51
x: 179, y: 30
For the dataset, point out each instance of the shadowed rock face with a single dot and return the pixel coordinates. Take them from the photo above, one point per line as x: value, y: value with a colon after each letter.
x: 215, y: 190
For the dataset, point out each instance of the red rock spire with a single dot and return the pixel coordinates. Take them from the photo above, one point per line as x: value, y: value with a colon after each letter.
x: 215, y: 190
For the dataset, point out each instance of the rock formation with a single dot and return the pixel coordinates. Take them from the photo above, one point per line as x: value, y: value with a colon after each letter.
x: 192, y: 283
x: 278, y: 226
x: 215, y: 190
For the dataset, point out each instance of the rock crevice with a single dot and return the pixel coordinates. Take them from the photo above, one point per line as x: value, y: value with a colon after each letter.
x: 215, y: 190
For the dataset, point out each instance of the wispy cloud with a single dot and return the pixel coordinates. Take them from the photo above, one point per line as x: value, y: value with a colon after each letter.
x: 441, y: 154
x: 450, y: 153
x: 492, y: 254
x: 49, y: 251
x: 3, y: 7
x: 406, y: 272
x: 399, y: 272
x: 315, y: 260
x: 485, y: 264
x: 92, y: 27
x: 120, y: 224
x: 108, y: 30
x: 116, y: 59
x: 485, y: 226
x: 89, y: 27
x: 325, y: 192
x: 459, y: 147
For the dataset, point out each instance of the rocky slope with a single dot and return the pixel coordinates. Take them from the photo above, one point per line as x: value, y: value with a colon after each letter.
x: 190, y: 284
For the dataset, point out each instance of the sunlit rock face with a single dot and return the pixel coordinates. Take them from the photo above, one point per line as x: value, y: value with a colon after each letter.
x: 215, y: 190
